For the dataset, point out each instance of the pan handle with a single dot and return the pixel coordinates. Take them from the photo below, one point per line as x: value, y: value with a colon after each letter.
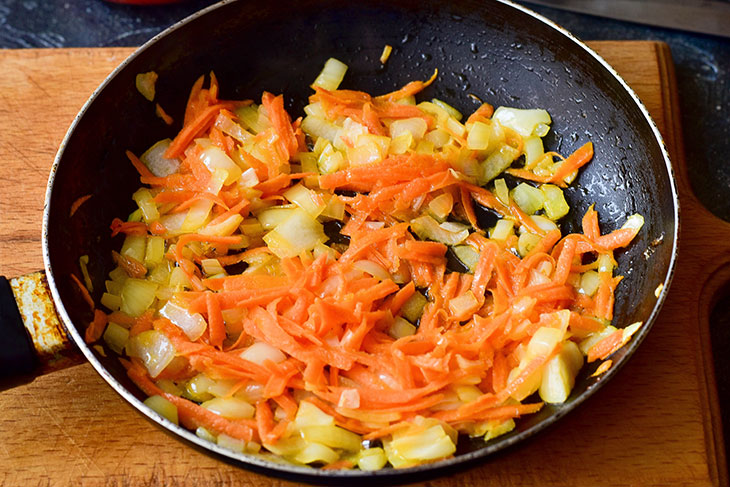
x: 34, y: 341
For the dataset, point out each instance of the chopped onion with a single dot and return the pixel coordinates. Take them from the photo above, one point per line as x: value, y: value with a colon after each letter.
x: 372, y: 268
x: 524, y: 122
x: 192, y: 324
x: 331, y: 75
x: 153, y: 348
x: 260, y: 352
x: 145, y: 83
x: 156, y: 162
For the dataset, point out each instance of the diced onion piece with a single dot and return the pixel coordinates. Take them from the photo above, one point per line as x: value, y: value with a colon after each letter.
x: 543, y: 223
x: 401, y: 328
x: 629, y: 331
x: 372, y: 268
x: 401, y: 143
x: 169, y: 386
x: 212, y: 267
x: 463, y: 306
x: 332, y: 436
x: 555, y: 205
x: 116, y: 337
x: 419, y: 446
x: 529, y: 198
x: 501, y: 191
x: 371, y: 459
x: 589, y: 282
x: 173, y: 222
x: 558, y: 376
x: 330, y: 160
x: 316, y: 110
x: 260, y: 352
x: 134, y: 246
x: 331, y: 75
x: 320, y: 127
x: 179, y: 280
x: 197, y: 216
x: 534, y: 150
x: 502, y: 229
x: 224, y: 228
x: 111, y: 301
x: 306, y: 199
x: 251, y: 119
x: 440, y: 207
x: 203, y: 433
x: 163, y: 407
x: 526, y: 242
x: 478, y: 138
x: 413, y: 308
x: 348, y: 134
x: 544, y: 341
x: 273, y: 216
x: 198, y: 388
x: 468, y: 393
x: 231, y: 443
x: 335, y: 208
x: 310, y: 415
x: 153, y: 348
x: 230, y: 408
x: 145, y: 83
x: 294, y: 235
x: 432, y: 109
x: 428, y: 228
x: 530, y: 384
x: 368, y: 149
x: 524, y: 122
x: 155, y: 252
x: 497, y: 162
x: 249, y: 178
x: 453, y: 112
x: 594, y: 338
x: 143, y: 198
x: 438, y: 137
x: 634, y: 222
x: 416, y: 126
x: 316, y: 453
x: 214, y: 158
x: 156, y: 162
x: 495, y: 428
x: 467, y: 255
x: 193, y: 325
x: 605, y: 263
x: 387, y: 49
x: 137, y: 296
x: 229, y: 127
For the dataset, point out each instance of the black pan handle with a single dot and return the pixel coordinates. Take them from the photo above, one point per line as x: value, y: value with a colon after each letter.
x: 33, y: 341
x: 18, y: 359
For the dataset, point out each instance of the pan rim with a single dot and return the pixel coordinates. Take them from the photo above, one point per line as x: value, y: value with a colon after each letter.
x: 316, y: 475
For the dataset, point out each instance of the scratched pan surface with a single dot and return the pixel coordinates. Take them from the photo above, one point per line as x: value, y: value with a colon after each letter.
x: 496, y: 51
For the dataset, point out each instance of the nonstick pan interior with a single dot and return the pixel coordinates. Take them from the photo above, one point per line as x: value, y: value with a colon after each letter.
x: 492, y: 50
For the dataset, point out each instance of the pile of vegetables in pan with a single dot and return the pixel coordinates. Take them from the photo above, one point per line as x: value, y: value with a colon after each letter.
x: 322, y: 289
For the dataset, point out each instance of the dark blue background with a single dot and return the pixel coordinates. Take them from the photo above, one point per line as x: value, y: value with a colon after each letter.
x: 702, y: 65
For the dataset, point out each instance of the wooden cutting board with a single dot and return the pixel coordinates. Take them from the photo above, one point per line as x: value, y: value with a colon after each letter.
x: 656, y: 423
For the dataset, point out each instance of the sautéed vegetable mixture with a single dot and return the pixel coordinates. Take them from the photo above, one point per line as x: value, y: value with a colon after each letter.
x: 357, y: 287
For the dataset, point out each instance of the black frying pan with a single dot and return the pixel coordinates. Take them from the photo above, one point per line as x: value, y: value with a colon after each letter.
x: 499, y: 52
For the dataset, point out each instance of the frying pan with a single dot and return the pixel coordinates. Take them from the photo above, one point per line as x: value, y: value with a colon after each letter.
x: 500, y: 52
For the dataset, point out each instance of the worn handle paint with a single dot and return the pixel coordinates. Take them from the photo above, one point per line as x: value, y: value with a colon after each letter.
x: 39, y: 342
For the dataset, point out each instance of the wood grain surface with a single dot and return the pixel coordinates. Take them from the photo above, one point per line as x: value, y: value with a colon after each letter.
x: 656, y: 423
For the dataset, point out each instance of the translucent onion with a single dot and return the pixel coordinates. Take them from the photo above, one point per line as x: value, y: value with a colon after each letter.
x: 193, y: 325
x: 154, y: 349
x: 155, y: 161
x: 260, y: 352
